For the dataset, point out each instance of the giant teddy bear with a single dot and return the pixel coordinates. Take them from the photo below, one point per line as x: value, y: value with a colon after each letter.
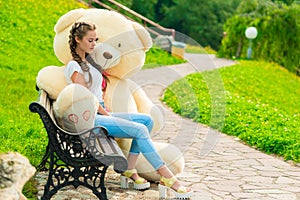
x: 127, y: 42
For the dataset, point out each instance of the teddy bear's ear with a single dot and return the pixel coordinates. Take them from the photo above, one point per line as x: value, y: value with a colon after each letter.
x: 68, y: 19
x: 143, y: 34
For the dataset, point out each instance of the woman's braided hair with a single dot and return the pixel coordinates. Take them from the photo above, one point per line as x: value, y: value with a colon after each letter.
x: 80, y: 29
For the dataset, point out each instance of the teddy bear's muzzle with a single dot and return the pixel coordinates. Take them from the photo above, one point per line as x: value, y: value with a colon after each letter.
x: 106, y: 55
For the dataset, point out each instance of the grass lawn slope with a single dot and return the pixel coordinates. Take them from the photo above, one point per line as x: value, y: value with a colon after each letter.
x: 261, y: 105
x: 26, y: 47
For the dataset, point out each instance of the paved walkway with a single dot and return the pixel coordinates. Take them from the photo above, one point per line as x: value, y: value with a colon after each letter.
x: 218, y: 167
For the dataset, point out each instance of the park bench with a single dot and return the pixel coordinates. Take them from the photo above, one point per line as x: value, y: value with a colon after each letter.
x: 77, y: 159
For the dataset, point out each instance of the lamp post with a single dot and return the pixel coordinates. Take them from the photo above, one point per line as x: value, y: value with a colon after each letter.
x: 251, y: 34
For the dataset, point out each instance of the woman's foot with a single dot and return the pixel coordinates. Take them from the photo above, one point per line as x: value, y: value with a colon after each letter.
x: 139, y: 183
x: 168, y: 180
x: 175, y: 186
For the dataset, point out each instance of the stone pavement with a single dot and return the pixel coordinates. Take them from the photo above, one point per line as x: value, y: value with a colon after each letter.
x: 218, y: 166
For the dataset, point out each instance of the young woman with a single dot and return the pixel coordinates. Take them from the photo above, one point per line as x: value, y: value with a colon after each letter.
x: 83, y: 70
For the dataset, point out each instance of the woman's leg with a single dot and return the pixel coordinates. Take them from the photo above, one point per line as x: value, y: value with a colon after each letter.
x: 139, y: 118
x: 131, y: 159
x: 165, y: 172
x: 138, y: 130
x: 168, y: 180
x: 135, y: 126
x: 136, y: 117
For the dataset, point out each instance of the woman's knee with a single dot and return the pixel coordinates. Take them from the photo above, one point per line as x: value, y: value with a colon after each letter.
x: 148, y: 122
x: 142, y: 131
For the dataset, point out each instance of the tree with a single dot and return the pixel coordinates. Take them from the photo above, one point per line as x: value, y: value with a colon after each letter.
x: 161, y: 9
x: 145, y: 8
x: 201, y: 20
x: 278, y: 33
x: 287, y: 2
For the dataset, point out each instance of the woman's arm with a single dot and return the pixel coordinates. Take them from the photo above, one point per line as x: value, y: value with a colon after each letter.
x: 79, y: 79
x: 102, y: 111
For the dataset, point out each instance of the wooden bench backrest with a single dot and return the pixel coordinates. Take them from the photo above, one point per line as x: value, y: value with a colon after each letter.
x: 47, y: 103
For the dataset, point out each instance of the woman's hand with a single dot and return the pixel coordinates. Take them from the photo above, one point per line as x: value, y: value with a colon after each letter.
x: 79, y: 79
x: 102, y: 111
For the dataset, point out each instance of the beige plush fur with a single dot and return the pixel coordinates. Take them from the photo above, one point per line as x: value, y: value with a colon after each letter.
x: 75, y: 108
x: 127, y: 42
x: 52, y: 80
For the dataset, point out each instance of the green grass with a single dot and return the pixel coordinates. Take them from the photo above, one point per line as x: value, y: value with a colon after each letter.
x: 26, y: 47
x: 255, y: 101
x: 199, y: 49
x: 157, y: 57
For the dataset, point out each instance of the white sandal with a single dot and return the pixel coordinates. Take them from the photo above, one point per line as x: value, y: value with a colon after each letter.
x: 167, y: 183
x: 138, y: 184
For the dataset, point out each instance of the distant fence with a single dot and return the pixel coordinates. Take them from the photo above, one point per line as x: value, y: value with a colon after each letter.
x: 156, y: 31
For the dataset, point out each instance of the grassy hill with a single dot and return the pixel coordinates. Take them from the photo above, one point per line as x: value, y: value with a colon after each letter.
x: 26, y: 47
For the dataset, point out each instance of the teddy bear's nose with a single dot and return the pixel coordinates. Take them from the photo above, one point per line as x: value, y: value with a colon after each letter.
x: 107, y: 55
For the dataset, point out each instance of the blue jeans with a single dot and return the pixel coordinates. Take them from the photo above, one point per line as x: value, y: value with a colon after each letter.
x: 136, y: 126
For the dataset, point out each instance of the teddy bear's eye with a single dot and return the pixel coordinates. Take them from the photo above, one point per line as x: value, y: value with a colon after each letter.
x: 119, y: 45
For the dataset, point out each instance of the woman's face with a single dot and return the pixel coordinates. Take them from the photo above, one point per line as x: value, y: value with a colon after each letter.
x: 88, y: 42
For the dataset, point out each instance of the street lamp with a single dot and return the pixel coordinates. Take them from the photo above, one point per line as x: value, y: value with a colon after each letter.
x: 251, y: 34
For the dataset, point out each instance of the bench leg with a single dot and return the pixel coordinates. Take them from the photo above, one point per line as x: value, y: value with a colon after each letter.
x: 61, y: 175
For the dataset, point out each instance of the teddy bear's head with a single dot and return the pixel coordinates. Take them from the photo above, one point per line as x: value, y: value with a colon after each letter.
x: 126, y: 41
